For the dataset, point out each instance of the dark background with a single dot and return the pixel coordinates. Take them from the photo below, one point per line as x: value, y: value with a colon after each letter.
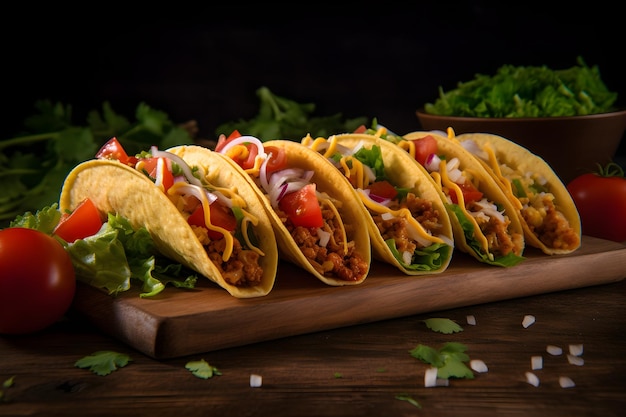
x: 206, y: 63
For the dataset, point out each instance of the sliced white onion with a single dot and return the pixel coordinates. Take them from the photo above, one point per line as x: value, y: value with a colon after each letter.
x: 256, y: 380
x: 179, y: 161
x: 576, y: 350
x: 532, y: 379
x: 554, y: 350
x: 566, y: 382
x: 407, y: 257
x: 536, y: 362
x: 474, y: 149
x: 528, y: 321
x: 432, y: 162
x: 490, y: 209
x: 478, y: 366
x: 430, y: 377
x: 575, y: 360
x: 324, y: 237
x: 453, y: 164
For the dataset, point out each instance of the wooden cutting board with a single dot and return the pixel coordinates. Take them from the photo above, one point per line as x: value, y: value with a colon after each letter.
x: 184, y: 322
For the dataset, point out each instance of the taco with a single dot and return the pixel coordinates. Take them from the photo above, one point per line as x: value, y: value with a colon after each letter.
x: 408, y: 224
x: 486, y: 225
x: 548, y: 213
x: 315, y: 213
x: 198, y: 210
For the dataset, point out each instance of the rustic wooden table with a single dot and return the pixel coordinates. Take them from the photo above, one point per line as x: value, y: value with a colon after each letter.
x: 357, y: 370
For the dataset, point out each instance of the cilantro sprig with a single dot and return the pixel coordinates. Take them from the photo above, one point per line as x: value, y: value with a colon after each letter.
x: 282, y: 118
x: 34, y: 164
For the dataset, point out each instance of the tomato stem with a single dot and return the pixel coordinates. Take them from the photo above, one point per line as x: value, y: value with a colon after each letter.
x: 611, y: 169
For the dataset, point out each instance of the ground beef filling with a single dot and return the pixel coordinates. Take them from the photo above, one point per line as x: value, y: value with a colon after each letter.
x: 330, y: 260
x: 549, y: 224
x: 242, y: 269
x: 396, y: 227
x: 499, y: 240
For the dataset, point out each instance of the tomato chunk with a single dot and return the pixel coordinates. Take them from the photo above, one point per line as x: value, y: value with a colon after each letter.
x: 383, y: 189
x: 83, y: 222
x: 302, y: 207
x: 113, y: 149
x: 470, y: 193
x: 424, y: 147
x: 221, y: 216
x: 151, y: 166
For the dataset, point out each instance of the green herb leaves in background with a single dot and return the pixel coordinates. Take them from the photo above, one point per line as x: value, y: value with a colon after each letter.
x: 281, y: 118
x: 34, y: 164
x: 527, y: 91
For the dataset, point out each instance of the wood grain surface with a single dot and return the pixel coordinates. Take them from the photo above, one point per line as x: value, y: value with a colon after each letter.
x: 350, y: 371
x: 179, y: 323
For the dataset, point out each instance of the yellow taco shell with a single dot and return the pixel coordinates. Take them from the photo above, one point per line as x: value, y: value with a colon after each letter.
x: 117, y: 188
x: 450, y: 147
x: 403, y: 172
x: 510, y: 160
x: 333, y: 184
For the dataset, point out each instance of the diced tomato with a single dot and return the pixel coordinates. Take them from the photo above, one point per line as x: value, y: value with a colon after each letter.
x: 470, y: 193
x: 221, y: 216
x: 382, y: 189
x: 150, y: 165
x: 424, y: 147
x: 360, y: 129
x: 302, y: 207
x: 278, y: 159
x: 223, y: 140
x: 113, y: 149
x: 83, y: 222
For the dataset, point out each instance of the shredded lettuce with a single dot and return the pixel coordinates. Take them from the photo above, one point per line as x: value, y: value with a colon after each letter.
x: 528, y: 91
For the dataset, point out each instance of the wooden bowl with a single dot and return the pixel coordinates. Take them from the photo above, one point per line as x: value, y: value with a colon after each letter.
x: 571, y: 145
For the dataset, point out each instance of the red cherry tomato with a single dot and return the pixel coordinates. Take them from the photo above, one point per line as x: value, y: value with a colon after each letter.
x: 424, y: 147
x: 302, y: 207
x: 37, y: 280
x: 601, y: 202
x: 84, y: 221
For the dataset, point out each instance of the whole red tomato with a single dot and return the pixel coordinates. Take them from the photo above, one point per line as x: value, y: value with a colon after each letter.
x: 601, y: 202
x: 37, y: 280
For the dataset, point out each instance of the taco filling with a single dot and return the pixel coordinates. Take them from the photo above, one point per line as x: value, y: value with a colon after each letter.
x: 217, y: 215
x: 486, y: 226
x: 409, y: 224
x: 533, y: 198
x: 311, y: 216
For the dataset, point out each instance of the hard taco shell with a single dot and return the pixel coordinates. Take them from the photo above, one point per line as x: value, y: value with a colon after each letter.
x: 524, y: 162
x: 117, y: 188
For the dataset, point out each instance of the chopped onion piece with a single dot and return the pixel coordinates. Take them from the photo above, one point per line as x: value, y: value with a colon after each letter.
x: 430, y: 377
x: 566, y: 382
x: 532, y: 379
x: 453, y: 164
x: 407, y: 257
x: 478, y: 365
x: 554, y: 350
x: 575, y: 360
x: 471, y: 320
x: 529, y: 320
x: 536, y: 362
x: 576, y: 350
x: 324, y: 237
x: 386, y: 216
x: 256, y: 380
x: 432, y: 162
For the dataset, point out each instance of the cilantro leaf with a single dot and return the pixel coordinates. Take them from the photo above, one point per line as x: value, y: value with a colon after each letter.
x: 449, y: 360
x: 103, y: 362
x: 443, y: 325
x: 202, y: 369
